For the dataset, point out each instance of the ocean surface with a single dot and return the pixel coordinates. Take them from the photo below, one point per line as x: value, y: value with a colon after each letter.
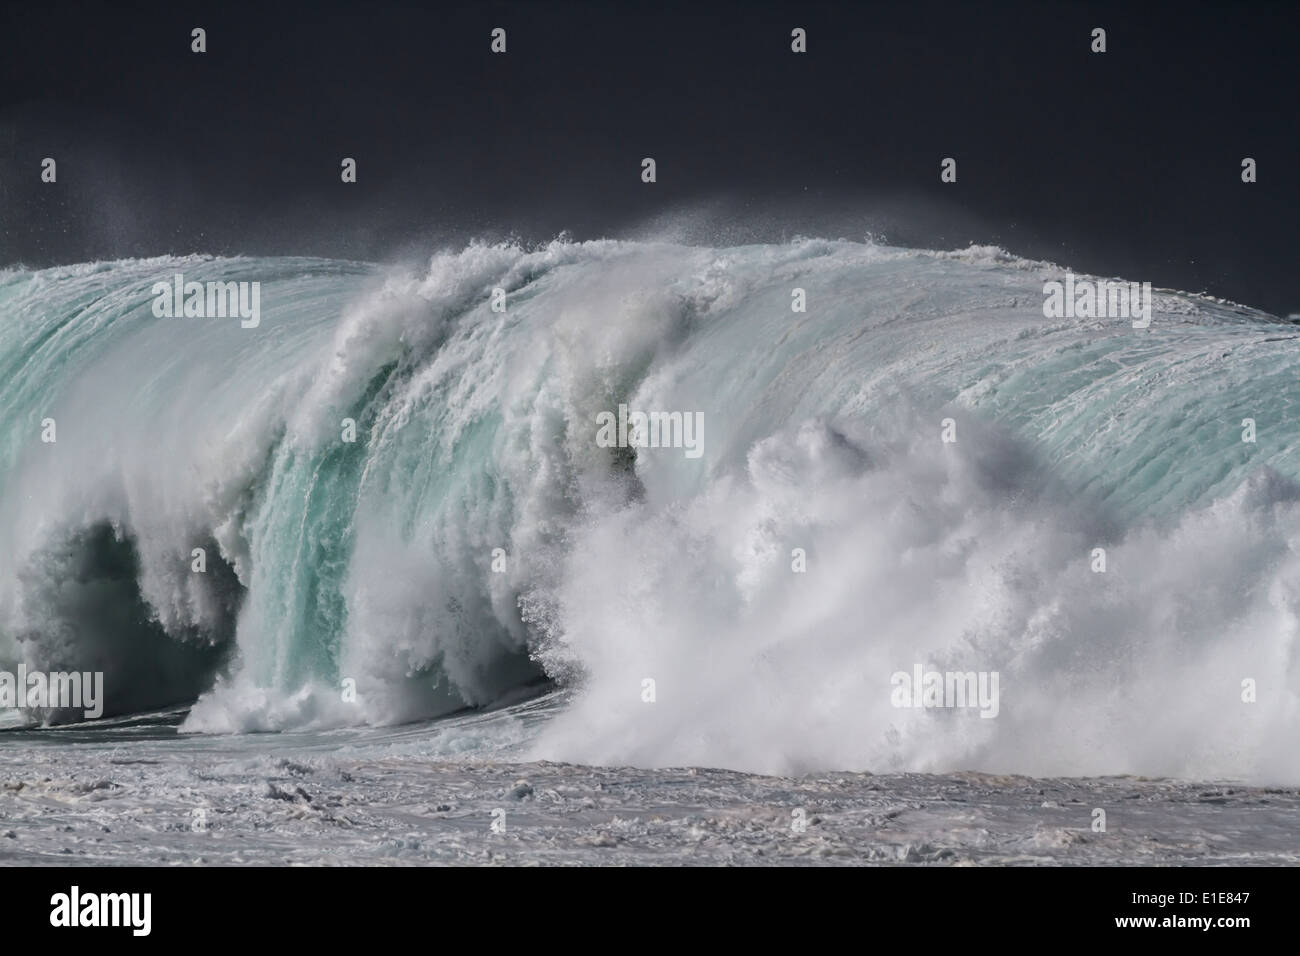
x: 477, y: 606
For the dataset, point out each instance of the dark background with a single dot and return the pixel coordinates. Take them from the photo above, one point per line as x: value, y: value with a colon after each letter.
x: 1126, y: 163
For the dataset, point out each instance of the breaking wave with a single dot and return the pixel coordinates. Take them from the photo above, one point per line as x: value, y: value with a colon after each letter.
x: 476, y: 537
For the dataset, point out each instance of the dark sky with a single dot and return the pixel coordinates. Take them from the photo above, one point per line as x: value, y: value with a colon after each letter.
x: 1126, y: 163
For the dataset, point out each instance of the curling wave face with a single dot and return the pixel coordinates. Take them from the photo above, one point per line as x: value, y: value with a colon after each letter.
x: 377, y: 561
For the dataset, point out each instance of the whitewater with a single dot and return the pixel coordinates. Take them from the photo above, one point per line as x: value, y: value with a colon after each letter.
x: 475, y: 547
